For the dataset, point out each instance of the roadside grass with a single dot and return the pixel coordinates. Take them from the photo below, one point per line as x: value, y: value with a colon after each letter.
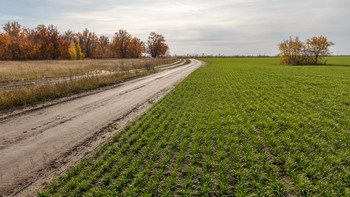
x: 13, y: 71
x: 34, y: 94
x: 237, y: 127
x: 16, y: 97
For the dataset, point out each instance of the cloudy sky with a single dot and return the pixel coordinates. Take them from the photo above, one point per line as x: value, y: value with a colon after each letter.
x: 229, y: 27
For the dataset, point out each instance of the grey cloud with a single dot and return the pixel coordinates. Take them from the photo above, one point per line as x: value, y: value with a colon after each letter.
x: 194, y: 26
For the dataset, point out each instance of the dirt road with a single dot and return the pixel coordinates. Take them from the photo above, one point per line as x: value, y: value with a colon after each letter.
x: 39, y: 145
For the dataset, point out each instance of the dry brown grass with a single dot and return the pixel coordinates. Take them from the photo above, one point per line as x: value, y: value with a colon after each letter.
x: 11, y: 71
x: 34, y: 94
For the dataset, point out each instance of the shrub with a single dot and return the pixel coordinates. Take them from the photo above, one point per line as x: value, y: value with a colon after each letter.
x: 295, y: 52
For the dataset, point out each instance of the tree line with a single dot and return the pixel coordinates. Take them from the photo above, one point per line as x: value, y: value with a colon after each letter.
x: 45, y: 42
x: 312, y: 51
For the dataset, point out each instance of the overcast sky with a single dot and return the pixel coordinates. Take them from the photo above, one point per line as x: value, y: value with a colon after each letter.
x: 229, y: 27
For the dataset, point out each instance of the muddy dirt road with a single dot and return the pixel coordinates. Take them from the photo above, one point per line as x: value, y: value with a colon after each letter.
x: 39, y: 145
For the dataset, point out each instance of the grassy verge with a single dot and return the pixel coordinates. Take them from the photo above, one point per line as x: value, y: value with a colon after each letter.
x: 13, y: 71
x: 45, y: 69
x: 237, y: 127
x: 29, y: 95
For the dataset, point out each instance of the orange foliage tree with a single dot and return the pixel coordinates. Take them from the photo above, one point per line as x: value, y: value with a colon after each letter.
x: 88, y: 43
x: 126, y: 46
x: 45, y: 42
x: 121, y: 43
x: 156, y: 46
x: 4, y: 43
x: 295, y: 52
x: 17, y: 44
x: 49, y: 43
x: 292, y: 51
x: 136, y: 48
x: 103, y: 49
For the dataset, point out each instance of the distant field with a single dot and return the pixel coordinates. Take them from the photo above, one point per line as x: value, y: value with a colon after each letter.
x: 237, y: 127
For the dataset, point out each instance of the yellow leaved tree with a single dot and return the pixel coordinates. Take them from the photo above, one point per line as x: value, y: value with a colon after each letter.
x: 313, y: 51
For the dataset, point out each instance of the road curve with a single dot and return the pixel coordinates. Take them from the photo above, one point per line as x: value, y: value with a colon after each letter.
x: 31, y: 141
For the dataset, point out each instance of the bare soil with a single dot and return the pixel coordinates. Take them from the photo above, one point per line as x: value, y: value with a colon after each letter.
x: 40, y: 143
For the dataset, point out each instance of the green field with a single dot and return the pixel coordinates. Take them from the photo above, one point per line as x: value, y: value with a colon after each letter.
x: 237, y: 127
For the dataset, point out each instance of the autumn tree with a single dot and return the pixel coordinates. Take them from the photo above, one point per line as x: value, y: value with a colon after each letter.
x: 40, y: 37
x: 103, y: 49
x: 318, y: 48
x: 296, y: 52
x: 57, y: 42
x: 121, y: 43
x: 69, y: 35
x: 45, y: 42
x: 156, y: 46
x: 88, y: 42
x: 49, y: 43
x: 71, y: 50
x: 74, y: 50
x: 27, y: 47
x: 4, y: 43
x: 17, y: 40
x: 78, y: 50
x: 136, y: 48
x: 13, y: 29
x: 292, y: 51
x: 16, y: 43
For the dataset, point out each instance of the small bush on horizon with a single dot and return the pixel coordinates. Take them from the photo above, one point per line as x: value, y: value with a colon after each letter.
x: 311, y: 52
